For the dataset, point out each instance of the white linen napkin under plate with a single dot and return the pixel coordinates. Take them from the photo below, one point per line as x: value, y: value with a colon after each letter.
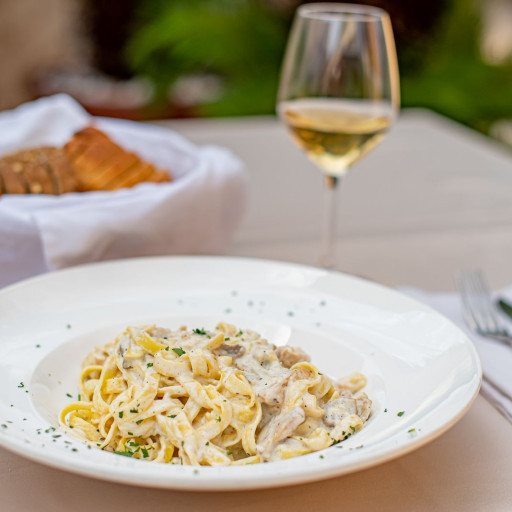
x: 495, y: 356
x: 197, y: 213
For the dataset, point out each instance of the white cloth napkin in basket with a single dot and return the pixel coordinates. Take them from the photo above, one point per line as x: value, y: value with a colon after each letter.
x: 197, y: 213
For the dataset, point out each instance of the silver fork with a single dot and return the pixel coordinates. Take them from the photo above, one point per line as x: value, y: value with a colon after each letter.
x: 479, y: 311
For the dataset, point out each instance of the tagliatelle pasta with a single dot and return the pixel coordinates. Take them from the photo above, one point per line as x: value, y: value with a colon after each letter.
x: 210, y: 397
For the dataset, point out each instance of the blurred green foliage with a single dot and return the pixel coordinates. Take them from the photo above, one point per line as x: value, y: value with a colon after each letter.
x: 243, y: 41
x: 453, y: 79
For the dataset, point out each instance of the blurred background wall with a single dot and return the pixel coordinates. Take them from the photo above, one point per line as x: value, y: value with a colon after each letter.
x: 36, y: 37
x: 145, y: 59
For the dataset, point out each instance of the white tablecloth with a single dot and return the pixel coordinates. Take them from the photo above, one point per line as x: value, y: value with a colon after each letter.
x: 432, y: 198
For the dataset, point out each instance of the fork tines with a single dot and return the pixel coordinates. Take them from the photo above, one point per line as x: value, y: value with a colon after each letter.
x: 478, y: 308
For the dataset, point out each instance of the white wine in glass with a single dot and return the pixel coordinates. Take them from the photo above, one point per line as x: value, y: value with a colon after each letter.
x: 339, y: 91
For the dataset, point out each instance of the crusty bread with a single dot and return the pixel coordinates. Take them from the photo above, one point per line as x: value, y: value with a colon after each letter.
x: 12, y: 180
x: 35, y: 173
x: 101, y: 164
x: 89, y: 161
x: 43, y: 170
x: 60, y: 169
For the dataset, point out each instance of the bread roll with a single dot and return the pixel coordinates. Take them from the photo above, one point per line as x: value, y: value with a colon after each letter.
x: 101, y: 164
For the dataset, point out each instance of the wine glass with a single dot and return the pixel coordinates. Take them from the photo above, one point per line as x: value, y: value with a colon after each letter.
x: 339, y: 91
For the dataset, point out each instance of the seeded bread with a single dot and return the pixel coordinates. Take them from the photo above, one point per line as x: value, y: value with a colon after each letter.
x: 89, y: 161
x: 43, y: 170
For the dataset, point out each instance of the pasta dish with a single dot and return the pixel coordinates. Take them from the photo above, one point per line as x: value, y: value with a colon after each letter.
x: 210, y: 397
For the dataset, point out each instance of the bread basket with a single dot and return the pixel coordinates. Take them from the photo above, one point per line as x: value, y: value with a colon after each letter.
x: 196, y: 213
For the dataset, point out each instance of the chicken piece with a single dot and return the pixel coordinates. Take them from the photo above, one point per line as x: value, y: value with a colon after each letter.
x: 336, y: 410
x: 231, y: 350
x: 291, y: 355
x: 269, y: 384
x: 363, y: 406
x: 264, y: 372
x: 278, y: 429
x: 274, y: 393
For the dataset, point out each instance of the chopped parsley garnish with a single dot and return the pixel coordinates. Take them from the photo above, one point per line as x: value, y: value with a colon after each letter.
x: 130, y: 433
x: 79, y: 398
x: 21, y: 385
x: 38, y: 346
x: 239, y: 333
x: 145, y: 453
x: 68, y: 394
x: 68, y: 326
x: 149, y: 365
x: 352, y: 428
x: 411, y: 430
x: 207, y: 443
x: 400, y: 414
x: 321, y: 456
x: 126, y: 453
x: 121, y: 414
x: 229, y: 452
x: 134, y: 411
x: 172, y: 416
x: 182, y: 443
x: 139, y: 422
x: 167, y: 348
x: 386, y: 409
x: 199, y: 331
x: 219, y: 419
x: 179, y: 351
x: 226, y: 339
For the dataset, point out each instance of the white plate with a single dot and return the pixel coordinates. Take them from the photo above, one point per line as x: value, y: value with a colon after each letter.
x: 416, y: 360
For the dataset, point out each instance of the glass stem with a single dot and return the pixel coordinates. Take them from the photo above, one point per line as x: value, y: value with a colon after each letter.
x: 327, y: 256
